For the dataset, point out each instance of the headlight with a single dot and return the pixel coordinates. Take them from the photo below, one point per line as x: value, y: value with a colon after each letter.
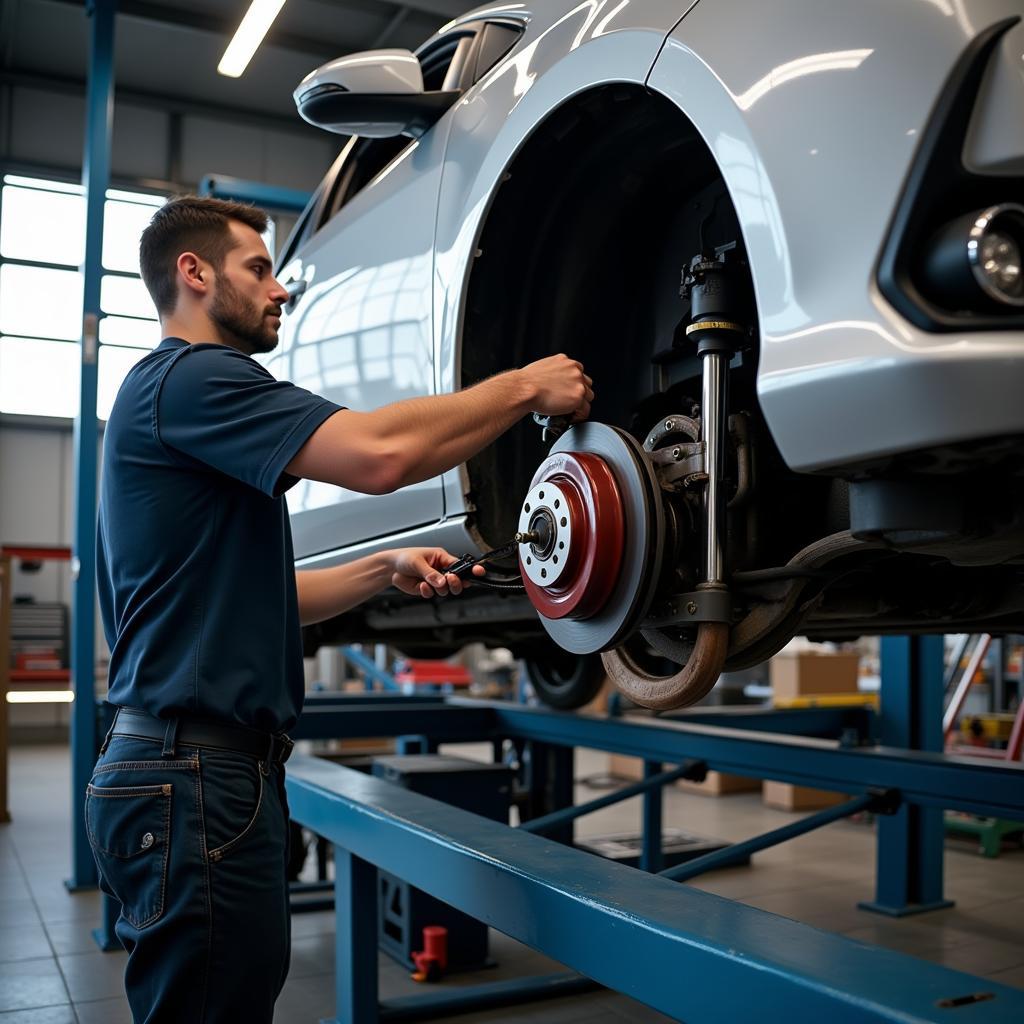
x: 975, y: 261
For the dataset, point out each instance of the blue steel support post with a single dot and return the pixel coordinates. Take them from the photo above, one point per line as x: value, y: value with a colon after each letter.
x: 550, y: 777
x: 95, y: 178
x: 910, y: 842
x: 355, y: 956
x: 651, y: 852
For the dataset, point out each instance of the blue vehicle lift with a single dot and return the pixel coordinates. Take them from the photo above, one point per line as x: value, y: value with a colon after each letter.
x: 692, y: 955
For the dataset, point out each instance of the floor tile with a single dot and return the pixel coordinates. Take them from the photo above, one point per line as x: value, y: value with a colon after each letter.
x: 1014, y: 976
x: 103, y: 1011
x: 44, y: 1015
x: 57, y: 905
x: 985, y: 957
x: 23, y: 942
x: 306, y: 999
x: 27, y: 984
x: 313, y: 954
x: 20, y: 911
x: 91, y: 976
x: 72, y: 936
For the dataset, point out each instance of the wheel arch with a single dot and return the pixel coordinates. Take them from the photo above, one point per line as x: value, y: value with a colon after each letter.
x: 567, y: 192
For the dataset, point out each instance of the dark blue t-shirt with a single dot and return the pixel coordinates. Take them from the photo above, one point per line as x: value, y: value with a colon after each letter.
x: 195, y: 573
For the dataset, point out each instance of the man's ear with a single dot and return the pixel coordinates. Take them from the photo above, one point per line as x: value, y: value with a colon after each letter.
x: 194, y: 273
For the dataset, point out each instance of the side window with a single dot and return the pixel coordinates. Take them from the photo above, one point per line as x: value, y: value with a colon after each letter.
x: 445, y: 66
x: 302, y: 230
x: 494, y: 43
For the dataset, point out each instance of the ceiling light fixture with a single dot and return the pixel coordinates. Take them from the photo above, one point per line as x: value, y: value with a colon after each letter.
x: 246, y: 41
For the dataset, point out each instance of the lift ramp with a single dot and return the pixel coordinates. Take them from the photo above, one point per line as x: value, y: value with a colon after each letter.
x: 694, y: 956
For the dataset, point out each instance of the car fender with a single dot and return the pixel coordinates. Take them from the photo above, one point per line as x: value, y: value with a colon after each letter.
x: 560, y: 54
x: 814, y: 129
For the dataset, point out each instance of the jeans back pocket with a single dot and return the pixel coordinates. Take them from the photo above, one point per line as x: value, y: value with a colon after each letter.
x: 130, y: 831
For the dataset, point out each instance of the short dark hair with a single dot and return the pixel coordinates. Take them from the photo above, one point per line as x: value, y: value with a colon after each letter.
x: 189, y: 224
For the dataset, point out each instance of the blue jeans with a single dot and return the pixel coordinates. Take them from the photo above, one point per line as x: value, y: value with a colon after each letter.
x: 193, y: 844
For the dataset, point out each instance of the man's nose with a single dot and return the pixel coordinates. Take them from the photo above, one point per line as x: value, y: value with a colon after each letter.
x: 278, y: 293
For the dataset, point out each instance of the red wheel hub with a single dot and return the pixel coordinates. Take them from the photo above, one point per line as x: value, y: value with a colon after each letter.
x: 575, y: 512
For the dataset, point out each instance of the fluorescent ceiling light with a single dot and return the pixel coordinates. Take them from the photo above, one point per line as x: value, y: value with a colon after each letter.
x: 254, y: 27
x: 40, y: 696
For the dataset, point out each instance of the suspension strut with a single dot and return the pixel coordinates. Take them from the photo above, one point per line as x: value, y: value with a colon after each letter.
x: 710, y: 283
x: 715, y: 327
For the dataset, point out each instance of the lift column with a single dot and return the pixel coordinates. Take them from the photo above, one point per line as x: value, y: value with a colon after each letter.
x: 96, y: 179
x: 910, y: 842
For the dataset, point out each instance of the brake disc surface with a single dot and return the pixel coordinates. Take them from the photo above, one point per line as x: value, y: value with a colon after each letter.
x: 643, y: 534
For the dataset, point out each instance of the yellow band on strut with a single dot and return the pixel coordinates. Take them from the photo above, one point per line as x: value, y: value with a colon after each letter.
x: 721, y: 325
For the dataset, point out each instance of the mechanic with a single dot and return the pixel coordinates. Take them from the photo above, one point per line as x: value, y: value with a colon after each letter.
x: 202, y: 606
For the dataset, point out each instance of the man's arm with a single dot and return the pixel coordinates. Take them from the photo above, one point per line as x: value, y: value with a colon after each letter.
x: 400, y: 444
x: 324, y: 593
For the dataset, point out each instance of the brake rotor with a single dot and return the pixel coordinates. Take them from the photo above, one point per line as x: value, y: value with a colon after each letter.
x: 596, y: 587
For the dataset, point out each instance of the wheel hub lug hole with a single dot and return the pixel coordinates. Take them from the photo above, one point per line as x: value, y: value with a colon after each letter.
x: 557, y: 503
x: 564, y: 521
x: 544, y: 573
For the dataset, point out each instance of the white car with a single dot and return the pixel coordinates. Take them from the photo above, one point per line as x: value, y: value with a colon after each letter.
x: 785, y: 240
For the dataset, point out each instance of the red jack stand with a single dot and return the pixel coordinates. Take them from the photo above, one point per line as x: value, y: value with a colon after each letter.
x: 433, y: 960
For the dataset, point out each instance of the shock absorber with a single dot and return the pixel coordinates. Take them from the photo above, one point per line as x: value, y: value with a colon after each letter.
x: 716, y: 327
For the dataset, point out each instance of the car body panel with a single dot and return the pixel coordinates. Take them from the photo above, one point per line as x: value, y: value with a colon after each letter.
x: 559, y: 55
x: 827, y: 116
x: 814, y: 113
x: 360, y: 334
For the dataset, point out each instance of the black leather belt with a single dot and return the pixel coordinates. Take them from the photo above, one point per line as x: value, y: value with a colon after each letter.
x: 270, y: 748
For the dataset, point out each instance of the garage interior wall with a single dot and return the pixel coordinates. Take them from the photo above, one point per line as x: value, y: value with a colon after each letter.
x: 41, y: 133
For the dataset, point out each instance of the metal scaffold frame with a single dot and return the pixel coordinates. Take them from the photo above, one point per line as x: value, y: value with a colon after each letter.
x: 628, y: 929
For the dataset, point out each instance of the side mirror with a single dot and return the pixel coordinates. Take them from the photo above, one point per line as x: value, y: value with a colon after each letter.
x: 376, y: 94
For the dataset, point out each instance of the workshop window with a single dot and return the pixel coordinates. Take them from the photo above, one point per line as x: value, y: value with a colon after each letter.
x: 42, y: 246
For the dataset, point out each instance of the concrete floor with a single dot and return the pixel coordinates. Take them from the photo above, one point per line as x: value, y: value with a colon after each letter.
x: 52, y: 973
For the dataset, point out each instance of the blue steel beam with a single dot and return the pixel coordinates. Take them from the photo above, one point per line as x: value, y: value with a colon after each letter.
x: 740, y: 852
x: 271, y: 197
x: 689, y: 954
x: 556, y: 818
x: 95, y: 179
x: 825, y: 723
x: 923, y: 778
x: 370, y: 668
x: 992, y: 789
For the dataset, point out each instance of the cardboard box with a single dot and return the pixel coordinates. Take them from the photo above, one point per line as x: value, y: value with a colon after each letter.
x: 795, y: 675
x: 786, y: 797
x: 720, y: 784
x: 716, y: 783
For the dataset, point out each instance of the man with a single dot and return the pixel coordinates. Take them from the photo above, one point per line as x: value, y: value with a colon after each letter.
x: 202, y: 606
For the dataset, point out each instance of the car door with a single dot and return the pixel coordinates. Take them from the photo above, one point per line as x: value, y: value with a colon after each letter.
x: 358, y: 327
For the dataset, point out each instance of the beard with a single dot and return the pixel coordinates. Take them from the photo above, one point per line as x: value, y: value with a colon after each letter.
x: 242, y: 323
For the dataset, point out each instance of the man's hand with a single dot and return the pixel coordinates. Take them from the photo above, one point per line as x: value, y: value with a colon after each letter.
x: 561, y: 387
x: 421, y: 571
